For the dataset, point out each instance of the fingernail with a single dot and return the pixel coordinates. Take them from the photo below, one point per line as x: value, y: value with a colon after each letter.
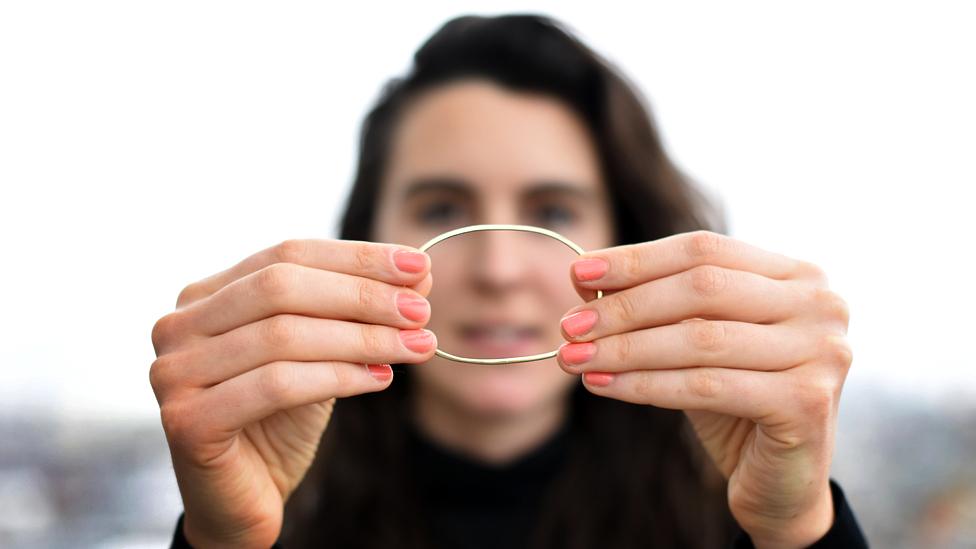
x: 577, y: 353
x: 599, y: 379
x: 590, y: 269
x: 412, y: 307
x: 410, y: 262
x: 579, y: 323
x: 418, y: 341
x: 382, y: 372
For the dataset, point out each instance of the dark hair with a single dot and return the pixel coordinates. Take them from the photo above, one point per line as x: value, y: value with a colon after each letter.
x: 637, y: 475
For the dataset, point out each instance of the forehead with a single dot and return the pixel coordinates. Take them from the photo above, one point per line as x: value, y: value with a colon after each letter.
x: 491, y: 136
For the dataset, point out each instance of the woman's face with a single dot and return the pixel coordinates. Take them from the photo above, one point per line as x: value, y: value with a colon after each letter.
x: 471, y: 152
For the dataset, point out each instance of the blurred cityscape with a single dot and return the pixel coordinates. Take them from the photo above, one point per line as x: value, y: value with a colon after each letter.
x: 908, y: 470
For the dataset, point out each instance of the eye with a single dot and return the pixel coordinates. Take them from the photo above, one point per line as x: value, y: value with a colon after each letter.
x: 554, y: 215
x: 439, y: 212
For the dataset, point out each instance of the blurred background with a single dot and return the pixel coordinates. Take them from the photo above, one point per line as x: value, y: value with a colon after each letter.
x: 144, y: 146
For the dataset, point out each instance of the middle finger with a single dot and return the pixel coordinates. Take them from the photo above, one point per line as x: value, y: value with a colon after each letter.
x: 709, y: 292
x: 295, y: 338
x: 290, y: 288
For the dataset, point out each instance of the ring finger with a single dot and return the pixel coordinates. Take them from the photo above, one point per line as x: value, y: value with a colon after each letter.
x: 290, y: 337
x: 693, y: 342
x: 291, y: 288
x: 705, y: 292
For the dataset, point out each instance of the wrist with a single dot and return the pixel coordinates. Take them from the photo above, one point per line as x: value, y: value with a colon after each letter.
x: 799, y: 531
x: 198, y: 539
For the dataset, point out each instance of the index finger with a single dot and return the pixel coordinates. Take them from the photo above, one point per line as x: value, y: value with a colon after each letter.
x: 390, y: 263
x: 625, y: 266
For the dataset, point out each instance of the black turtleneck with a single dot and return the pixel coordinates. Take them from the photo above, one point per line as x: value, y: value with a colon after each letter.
x: 474, y: 505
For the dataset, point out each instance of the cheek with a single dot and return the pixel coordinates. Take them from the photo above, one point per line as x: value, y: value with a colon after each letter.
x: 558, y: 294
x: 392, y: 224
x: 446, y: 295
x: 559, y: 288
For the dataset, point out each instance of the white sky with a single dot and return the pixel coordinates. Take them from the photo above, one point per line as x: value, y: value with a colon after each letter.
x: 146, y: 145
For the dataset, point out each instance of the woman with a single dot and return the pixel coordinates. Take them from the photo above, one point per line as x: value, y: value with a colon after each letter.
x: 693, y: 405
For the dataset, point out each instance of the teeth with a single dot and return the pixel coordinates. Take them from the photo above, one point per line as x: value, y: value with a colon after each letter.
x: 501, y: 332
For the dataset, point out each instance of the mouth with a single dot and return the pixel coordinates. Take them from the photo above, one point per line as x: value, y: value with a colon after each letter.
x: 500, y: 339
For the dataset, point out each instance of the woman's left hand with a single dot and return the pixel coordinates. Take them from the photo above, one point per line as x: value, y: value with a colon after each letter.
x: 750, y: 344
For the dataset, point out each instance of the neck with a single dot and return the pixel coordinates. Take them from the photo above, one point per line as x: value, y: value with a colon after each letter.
x: 493, y: 439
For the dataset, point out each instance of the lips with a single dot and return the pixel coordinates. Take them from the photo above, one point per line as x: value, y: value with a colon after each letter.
x: 499, y: 339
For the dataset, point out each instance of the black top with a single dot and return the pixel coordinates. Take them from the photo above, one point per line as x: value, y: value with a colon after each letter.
x: 503, y: 512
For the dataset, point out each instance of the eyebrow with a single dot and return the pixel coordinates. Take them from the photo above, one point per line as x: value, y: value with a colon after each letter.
x: 460, y: 186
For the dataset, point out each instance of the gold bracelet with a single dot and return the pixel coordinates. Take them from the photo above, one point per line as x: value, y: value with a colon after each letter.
x: 523, y: 228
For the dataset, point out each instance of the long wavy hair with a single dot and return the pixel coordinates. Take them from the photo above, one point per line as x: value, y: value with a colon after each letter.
x: 636, y: 475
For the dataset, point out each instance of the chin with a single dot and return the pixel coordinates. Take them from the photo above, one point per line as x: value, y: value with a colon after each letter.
x: 502, y: 391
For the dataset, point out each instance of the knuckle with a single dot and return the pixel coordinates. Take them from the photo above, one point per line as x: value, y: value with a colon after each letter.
x: 291, y: 250
x: 275, y: 382
x: 818, y: 398
x: 831, y: 304
x: 160, y: 330
x: 624, y: 307
x: 837, y: 350
x: 704, y: 382
x: 187, y: 295
x: 702, y: 245
x: 161, y: 373
x: 177, y: 420
x: 365, y: 258
x: 623, y: 349
x: 643, y: 386
x: 165, y: 330
x: 811, y: 270
x: 708, y: 280
x: 343, y: 379
x: 367, y: 295
x: 275, y: 280
x: 632, y: 259
x: 705, y: 335
x: 278, y: 331
x: 372, y: 340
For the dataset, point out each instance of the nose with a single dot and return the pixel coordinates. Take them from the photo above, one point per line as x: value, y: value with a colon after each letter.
x: 498, y: 262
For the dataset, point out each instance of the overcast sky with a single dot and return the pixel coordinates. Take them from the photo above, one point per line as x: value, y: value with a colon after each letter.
x: 146, y: 145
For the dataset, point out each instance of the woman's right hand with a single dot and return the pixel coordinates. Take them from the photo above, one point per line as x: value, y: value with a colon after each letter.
x: 251, y: 361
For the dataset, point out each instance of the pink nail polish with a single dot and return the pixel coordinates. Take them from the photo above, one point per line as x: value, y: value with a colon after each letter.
x: 382, y: 372
x: 410, y: 262
x: 418, y: 341
x: 579, y: 323
x: 598, y: 379
x: 587, y: 270
x: 577, y: 353
x: 412, y: 307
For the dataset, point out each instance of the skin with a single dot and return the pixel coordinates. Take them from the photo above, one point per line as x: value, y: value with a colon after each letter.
x: 251, y: 361
x: 750, y: 343
x: 515, y: 159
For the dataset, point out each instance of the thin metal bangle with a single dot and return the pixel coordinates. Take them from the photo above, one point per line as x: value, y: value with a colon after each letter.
x: 523, y: 228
